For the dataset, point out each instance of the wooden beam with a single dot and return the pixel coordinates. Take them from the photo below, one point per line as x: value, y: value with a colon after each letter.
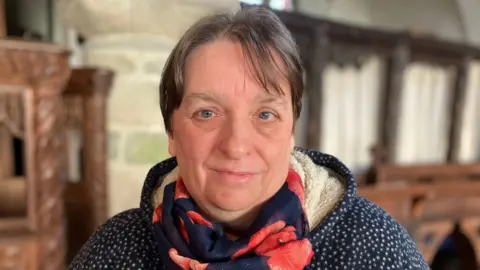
x: 389, y: 173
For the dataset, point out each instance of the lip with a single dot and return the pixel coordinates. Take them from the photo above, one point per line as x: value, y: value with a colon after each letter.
x: 234, y: 176
x: 234, y: 172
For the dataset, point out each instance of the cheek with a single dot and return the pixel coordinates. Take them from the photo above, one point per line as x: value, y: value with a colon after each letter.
x: 276, y: 147
x: 193, y: 150
x: 278, y: 134
x: 193, y: 145
x: 277, y: 158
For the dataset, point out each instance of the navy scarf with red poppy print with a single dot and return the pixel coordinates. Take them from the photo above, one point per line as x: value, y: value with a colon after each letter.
x: 275, y: 240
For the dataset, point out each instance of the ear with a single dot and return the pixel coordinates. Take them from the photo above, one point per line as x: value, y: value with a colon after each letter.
x: 171, y: 144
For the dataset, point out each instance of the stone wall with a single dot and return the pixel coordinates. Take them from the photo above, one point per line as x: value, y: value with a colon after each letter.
x: 134, y: 41
x: 137, y: 139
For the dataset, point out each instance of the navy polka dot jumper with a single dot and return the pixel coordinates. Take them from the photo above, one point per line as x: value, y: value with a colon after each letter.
x: 356, y: 235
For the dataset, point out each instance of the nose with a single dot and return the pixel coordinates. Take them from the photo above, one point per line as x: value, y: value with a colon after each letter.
x: 236, y: 137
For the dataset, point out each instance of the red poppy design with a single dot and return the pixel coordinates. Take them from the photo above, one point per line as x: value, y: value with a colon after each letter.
x: 280, y: 244
x: 295, y: 185
x: 180, y: 190
x: 275, y: 240
x: 198, y: 219
x: 186, y: 263
x: 182, y: 230
x: 259, y: 237
x: 157, y: 214
x: 294, y: 255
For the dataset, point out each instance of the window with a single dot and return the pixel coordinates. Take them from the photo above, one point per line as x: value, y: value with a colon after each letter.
x: 252, y: 2
x: 286, y: 5
x: 281, y: 4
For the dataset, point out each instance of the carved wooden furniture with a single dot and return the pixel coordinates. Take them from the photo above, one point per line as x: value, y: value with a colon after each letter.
x: 86, y: 199
x: 429, y: 198
x: 32, y: 77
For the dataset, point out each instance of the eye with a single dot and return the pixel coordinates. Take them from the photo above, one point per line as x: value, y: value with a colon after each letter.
x: 265, y: 115
x: 205, y: 114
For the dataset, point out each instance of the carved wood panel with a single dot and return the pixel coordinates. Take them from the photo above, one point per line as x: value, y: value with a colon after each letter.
x: 42, y: 70
x: 18, y: 254
x: 11, y: 125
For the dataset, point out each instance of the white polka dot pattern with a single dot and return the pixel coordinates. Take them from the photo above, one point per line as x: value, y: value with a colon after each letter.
x: 356, y: 235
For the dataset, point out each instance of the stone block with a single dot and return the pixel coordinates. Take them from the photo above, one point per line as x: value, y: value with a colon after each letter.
x: 130, y: 42
x: 161, y: 17
x: 146, y: 148
x: 154, y: 67
x: 135, y: 102
x: 125, y: 187
x: 113, y: 144
x: 117, y: 62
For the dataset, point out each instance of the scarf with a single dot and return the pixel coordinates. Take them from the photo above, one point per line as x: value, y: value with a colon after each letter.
x: 275, y: 240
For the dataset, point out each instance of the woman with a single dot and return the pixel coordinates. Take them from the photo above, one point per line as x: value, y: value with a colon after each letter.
x: 238, y: 195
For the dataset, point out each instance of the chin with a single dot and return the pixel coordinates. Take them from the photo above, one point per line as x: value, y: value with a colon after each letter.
x: 234, y: 207
x: 234, y: 203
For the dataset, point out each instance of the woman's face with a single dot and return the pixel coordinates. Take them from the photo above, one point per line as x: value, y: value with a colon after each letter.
x: 231, y: 137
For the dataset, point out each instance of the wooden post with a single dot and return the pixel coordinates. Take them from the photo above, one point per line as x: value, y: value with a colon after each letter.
x: 315, y: 85
x: 5, y: 153
x: 6, y: 149
x: 390, y: 109
x: 3, y: 20
x: 456, y: 108
x: 89, y: 196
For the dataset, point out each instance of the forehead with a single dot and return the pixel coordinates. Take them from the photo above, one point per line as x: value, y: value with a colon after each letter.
x: 222, y: 65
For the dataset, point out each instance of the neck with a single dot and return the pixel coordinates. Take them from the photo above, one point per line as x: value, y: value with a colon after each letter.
x: 234, y: 223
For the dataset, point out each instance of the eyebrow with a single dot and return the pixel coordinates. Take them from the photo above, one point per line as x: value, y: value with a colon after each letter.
x: 272, y: 100
x: 206, y: 96
x: 215, y: 98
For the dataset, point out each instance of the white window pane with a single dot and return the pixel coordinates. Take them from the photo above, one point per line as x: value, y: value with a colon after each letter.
x: 281, y: 4
x: 252, y: 2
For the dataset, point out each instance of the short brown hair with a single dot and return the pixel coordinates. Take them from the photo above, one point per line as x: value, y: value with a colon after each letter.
x: 260, y: 32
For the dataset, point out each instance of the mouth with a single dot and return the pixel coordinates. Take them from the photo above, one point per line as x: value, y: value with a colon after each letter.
x: 234, y: 176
